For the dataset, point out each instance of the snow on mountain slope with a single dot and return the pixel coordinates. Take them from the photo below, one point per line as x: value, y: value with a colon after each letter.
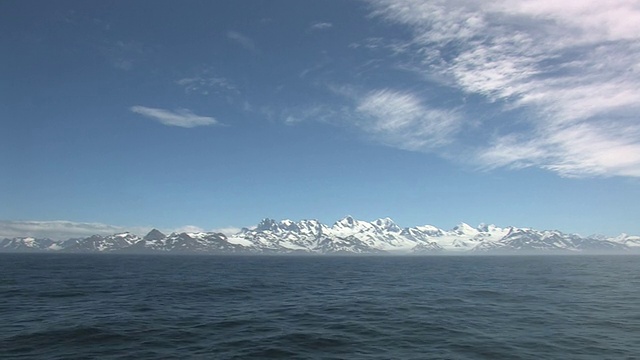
x: 464, y: 229
x: 347, y: 235
x: 380, y: 235
x: 349, y: 226
x: 345, y: 245
x: 192, y: 242
x: 20, y: 244
x: 426, y: 248
x: 387, y: 224
x: 548, y: 240
x: 631, y: 241
x: 357, y: 235
x: 282, y: 236
x: 463, y: 237
x: 97, y: 243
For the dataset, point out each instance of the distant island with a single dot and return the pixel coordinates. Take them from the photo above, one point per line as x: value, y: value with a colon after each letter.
x: 346, y: 236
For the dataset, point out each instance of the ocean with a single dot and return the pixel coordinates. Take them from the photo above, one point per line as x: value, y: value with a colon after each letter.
x: 66, y: 306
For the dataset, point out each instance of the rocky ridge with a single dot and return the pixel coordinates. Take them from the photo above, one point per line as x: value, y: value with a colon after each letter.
x: 345, y: 236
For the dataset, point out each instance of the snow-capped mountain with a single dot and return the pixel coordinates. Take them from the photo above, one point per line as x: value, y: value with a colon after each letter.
x: 345, y: 236
x: 546, y: 241
x: 27, y: 244
x: 631, y: 241
x: 198, y: 242
x: 97, y: 243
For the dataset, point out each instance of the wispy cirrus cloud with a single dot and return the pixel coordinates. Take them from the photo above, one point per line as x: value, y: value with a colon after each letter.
x: 182, y: 118
x: 312, y: 112
x: 395, y: 118
x: 124, y: 55
x: 574, y: 151
x: 571, y: 69
x: 206, y: 85
x: 402, y: 120
x: 242, y: 40
x: 321, y: 26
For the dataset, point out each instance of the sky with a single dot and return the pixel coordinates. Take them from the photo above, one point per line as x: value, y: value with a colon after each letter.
x: 211, y: 115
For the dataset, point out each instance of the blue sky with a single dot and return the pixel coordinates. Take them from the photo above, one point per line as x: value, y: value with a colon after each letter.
x: 214, y: 115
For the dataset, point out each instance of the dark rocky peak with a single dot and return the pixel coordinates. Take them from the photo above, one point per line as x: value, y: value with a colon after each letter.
x: 155, y: 234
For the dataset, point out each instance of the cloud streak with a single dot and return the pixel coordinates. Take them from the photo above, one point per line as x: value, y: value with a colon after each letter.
x: 321, y: 26
x: 401, y: 120
x: 207, y: 85
x: 242, y: 40
x: 124, y: 55
x: 570, y: 69
x: 181, y: 118
x: 62, y: 230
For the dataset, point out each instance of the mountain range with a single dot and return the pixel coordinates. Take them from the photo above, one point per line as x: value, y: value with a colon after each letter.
x: 346, y: 236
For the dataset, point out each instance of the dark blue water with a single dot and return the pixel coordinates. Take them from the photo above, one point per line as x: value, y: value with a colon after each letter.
x: 163, y: 307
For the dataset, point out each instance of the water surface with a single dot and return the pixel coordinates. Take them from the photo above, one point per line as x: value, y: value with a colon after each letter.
x: 57, y: 306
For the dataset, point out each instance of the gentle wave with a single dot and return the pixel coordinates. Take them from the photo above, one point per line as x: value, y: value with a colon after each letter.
x: 145, y: 307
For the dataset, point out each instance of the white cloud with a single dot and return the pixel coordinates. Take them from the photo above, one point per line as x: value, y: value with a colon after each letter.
x: 230, y: 230
x: 574, y: 151
x: 296, y: 115
x: 61, y: 230
x: 182, y: 118
x: 242, y: 40
x: 321, y: 26
x: 401, y: 120
x: 206, y: 85
x: 189, y: 229
x: 571, y: 66
x: 227, y: 230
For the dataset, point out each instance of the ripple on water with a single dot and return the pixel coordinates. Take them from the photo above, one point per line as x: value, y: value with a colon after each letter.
x: 319, y: 308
